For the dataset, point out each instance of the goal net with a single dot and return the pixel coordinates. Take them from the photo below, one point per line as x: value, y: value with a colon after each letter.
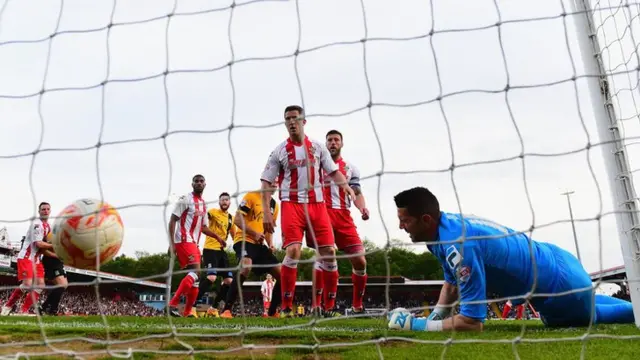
x: 503, y: 109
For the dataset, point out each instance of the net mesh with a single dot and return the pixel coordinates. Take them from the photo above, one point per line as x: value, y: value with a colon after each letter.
x: 489, y: 95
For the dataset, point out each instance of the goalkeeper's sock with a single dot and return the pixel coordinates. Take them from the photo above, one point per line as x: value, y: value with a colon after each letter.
x: 288, y: 276
x: 613, y: 311
x: 192, y: 295
x: 359, y: 280
x: 422, y: 324
x: 222, y: 294
x: 276, y: 298
x: 185, y: 286
x: 32, y: 298
x: 233, y: 293
x: 318, y: 285
x: 15, y: 296
x: 330, y: 272
x: 205, y: 285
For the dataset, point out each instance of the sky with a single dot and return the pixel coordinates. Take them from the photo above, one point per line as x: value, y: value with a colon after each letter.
x: 440, y: 118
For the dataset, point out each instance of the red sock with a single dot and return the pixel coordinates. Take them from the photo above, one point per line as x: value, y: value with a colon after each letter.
x: 192, y: 295
x: 15, y: 296
x: 359, y: 284
x: 506, y: 310
x: 519, y: 312
x: 32, y: 298
x: 330, y: 288
x: 185, y: 285
x: 288, y: 277
x: 318, y: 286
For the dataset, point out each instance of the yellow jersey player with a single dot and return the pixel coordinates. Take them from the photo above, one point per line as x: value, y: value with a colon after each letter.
x: 214, y: 256
x: 250, y: 248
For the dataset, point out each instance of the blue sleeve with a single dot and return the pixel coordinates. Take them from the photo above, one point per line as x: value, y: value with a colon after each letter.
x: 472, y: 283
x: 448, y: 275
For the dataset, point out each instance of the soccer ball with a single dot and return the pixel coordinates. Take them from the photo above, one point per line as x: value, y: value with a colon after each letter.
x: 84, y: 227
x: 397, y: 310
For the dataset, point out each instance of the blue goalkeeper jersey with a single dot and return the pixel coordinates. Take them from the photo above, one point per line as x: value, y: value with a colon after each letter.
x: 492, y: 259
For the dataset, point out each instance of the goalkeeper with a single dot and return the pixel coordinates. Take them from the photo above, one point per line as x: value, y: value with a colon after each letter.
x: 494, y: 259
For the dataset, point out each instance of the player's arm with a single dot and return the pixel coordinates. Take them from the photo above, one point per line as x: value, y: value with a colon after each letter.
x: 180, y: 207
x: 39, y: 240
x: 243, y: 224
x: 43, y: 245
x: 359, y: 201
x: 268, y: 177
x: 471, y: 285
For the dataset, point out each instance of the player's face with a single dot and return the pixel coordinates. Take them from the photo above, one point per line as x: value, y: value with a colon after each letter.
x: 198, y: 185
x: 44, y: 212
x: 294, y: 123
x: 334, y: 144
x: 419, y: 229
x: 225, y: 201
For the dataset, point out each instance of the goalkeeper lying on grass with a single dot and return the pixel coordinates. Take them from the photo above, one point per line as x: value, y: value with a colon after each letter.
x: 496, y: 259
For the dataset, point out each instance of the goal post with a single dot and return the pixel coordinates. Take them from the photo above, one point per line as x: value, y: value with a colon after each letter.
x: 612, y: 144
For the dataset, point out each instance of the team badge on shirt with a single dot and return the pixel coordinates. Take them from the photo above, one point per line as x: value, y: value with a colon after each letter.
x: 464, y: 273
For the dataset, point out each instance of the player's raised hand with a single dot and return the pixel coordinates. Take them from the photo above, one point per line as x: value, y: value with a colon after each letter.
x: 365, y: 214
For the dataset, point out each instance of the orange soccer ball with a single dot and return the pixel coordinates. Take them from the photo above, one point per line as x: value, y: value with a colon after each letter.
x: 86, y: 232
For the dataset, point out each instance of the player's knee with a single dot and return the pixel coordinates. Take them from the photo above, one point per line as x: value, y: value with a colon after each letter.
x: 293, y: 251
x: 327, y: 251
x: 359, y: 263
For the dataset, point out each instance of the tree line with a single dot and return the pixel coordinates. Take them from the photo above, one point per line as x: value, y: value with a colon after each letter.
x: 397, y: 258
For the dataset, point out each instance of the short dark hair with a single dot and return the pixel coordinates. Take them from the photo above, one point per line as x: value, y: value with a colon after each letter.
x: 197, y: 176
x: 333, y: 132
x: 42, y: 204
x: 418, y: 201
x: 297, y: 108
x: 224, y: 194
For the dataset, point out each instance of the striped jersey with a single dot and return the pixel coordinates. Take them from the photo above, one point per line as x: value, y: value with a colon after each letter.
x: 336, y: 197
x: 38, y: 231
x: 192, y: 211
x: 299, y: 168
x: 267, y: 290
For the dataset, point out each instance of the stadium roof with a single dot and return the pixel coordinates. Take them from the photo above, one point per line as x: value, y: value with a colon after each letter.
x: 617, y: 272
x: 5, y: 262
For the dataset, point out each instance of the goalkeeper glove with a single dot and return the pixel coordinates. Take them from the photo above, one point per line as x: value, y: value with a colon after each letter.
x: 439, y: 313
x: 400, y: 321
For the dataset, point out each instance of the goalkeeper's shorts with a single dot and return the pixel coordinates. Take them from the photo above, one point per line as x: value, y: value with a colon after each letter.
x: 575, y: 308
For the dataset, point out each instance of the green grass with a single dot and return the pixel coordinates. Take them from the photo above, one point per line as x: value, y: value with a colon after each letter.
x: 257, y: 338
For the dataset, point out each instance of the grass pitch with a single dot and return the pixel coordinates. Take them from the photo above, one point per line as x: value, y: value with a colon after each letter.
x: 256, y: 338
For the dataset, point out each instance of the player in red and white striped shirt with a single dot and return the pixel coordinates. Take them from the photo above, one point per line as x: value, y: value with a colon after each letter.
x: 344, y: 229
x: 298, y: 164
x: 190, y: 216
x: 266, y: 289
x: 29, y: 262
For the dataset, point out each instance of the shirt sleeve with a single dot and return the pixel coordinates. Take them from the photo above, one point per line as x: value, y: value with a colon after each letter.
x: 272, y: 169
x: 472, y: 282
x: 354, y: 180
x: 326, y: 161
x: 246, y: 204
x: 180, y: 206
x: 37, y: 232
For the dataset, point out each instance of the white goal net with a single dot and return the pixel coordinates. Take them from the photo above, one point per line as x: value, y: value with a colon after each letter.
x: 499, y: 107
